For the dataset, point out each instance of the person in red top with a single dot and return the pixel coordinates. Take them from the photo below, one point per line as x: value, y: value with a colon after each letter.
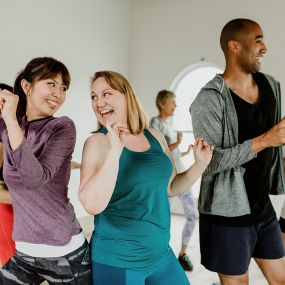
x: 7, y: 245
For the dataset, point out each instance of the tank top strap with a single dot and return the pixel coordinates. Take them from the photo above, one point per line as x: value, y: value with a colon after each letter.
x: 154, y: 143
x: 101, y: 130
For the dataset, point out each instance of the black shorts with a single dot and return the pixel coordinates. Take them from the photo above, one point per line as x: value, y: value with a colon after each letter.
x: 228, y: 250
x: 282, y: 224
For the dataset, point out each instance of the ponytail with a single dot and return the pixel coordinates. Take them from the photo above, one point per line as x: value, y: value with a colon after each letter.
x: 18, y: 90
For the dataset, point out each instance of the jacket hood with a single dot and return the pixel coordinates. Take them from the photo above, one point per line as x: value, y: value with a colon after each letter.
x: 217, y: 83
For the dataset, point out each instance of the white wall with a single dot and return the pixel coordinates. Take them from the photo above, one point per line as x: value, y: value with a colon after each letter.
x: 86, y: 35
x: 169, y: 35
x: 149, y: 41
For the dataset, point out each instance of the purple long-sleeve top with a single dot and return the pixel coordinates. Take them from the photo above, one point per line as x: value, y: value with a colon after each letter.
x: 37, y: 175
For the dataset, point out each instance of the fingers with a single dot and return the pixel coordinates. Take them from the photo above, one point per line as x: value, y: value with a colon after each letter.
x: 8, y: 97
x: 208, y: 147
x: 118, y: 128
x: 3, y: 98
x: 201, y: 143
x: 198, y: 142
x: 122, y: 128
x: 110, y: 127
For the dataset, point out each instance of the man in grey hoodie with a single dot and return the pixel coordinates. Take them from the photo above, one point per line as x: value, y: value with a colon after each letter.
x: 239, y: 113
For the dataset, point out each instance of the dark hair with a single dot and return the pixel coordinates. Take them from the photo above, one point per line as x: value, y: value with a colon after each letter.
x: 7, y: 87
x: 38, y: 69
x: 233, y: 30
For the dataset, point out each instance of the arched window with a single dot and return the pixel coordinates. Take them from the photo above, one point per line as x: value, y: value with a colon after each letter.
x: 186, y: 86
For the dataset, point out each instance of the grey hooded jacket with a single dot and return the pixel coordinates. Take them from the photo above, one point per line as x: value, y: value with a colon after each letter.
x: 214, y: 118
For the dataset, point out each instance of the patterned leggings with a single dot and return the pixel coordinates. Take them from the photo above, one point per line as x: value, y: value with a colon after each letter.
x: 189, y: 207
x: 73, y: 268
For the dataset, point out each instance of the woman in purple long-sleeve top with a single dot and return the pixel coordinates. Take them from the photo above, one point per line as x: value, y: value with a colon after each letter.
x: 50, y: 244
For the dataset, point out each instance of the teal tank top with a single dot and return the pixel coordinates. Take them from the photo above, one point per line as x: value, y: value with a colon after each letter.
x: 133, y: 232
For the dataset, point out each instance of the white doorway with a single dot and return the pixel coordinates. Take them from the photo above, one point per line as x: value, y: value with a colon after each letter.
x: 186, y: 86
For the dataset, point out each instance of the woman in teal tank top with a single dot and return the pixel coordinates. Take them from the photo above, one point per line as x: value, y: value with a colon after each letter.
x: 126, y: 177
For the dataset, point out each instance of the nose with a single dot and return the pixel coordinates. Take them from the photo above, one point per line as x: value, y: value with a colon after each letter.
x: 100, y: 101
x: 264, y: 48
x: 57, y: 92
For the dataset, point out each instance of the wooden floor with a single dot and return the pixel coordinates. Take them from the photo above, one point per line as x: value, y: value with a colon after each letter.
x: 199, y: 276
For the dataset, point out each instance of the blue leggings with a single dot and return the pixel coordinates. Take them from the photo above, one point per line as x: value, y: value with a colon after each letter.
x: 168, y: 272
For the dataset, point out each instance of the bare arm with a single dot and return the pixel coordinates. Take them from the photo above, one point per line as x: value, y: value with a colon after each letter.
x: 99, y: 170
x: 5, y: 197
x: 187, y: 151
x: 178, y: 141
x: 180, y: 183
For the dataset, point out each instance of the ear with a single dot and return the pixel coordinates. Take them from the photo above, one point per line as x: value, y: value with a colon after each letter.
x: 234, y: 46
x: 26, y: 85
x: 160, y: 106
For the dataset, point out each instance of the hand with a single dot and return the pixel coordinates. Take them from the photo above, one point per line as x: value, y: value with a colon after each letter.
x: 116, y: 134
x: 179, y: 137
x: 8, y: 105
x: 189, y: 148
x: 276, y: 135
x: 203, y: 153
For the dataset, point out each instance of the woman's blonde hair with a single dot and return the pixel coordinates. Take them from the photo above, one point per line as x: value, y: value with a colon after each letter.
x: 137, y: 120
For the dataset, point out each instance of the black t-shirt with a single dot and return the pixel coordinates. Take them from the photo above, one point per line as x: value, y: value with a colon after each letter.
x: 254, y: 120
